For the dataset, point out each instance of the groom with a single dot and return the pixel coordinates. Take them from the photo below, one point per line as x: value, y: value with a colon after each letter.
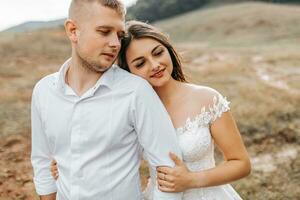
x: 94, y: 118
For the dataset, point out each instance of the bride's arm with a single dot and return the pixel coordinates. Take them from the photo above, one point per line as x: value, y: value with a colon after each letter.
x: 236, y: 165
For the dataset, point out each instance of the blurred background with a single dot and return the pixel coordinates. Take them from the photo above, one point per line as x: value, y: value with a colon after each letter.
x: 249, y: 51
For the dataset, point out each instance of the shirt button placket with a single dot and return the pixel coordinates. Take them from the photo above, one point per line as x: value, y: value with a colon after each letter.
x: 75, y: 152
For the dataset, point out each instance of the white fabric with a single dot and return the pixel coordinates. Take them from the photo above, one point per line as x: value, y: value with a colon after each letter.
x: 96, y: 138
x: 197, y: 147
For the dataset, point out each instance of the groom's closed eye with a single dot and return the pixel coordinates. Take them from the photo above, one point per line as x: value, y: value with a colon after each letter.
x: 106, y: 30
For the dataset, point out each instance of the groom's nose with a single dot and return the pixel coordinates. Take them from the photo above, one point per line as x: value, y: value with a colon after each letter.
x: 114, y: 41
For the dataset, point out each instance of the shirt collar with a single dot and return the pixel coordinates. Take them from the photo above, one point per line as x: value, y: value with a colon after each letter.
x: 106, y: 79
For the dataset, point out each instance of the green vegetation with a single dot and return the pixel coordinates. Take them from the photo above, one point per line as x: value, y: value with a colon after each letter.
x: 153, y: 10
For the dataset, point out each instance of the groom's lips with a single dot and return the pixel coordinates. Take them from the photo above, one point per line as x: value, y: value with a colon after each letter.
x: 110, y: 55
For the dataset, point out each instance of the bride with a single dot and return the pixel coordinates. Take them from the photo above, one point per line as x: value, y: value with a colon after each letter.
x: 200, y: 115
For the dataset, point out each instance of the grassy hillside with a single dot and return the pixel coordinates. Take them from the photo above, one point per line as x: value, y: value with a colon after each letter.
x: 231, y: 48
x: 243, y: 24
x: 35, y: 25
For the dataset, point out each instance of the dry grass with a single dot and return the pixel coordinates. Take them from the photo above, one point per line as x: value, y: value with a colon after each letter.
x: 245, y: 24
x: 258, y: 74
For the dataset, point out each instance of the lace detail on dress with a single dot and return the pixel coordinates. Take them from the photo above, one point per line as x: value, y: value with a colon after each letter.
x: 220, y: 105
x: 206, y: 116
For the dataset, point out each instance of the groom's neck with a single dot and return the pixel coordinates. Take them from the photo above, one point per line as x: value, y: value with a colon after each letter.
x: 80, y: 78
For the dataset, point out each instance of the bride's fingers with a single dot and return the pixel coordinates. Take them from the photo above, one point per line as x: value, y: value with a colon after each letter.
x: 53, y: 174
x: 166, y: 184
x: 165, y: 177
x: 53, y: 169
x: 165, y: 189
x: 160, y: 175
x: 53, y: 162
x: 56, y: 176
x: 165, y: 170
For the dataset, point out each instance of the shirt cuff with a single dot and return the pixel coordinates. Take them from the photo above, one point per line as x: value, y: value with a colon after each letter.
x: 45, y: 186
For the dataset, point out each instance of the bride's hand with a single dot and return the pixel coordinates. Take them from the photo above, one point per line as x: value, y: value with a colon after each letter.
x: 54, y: 170
x: 177, y: 179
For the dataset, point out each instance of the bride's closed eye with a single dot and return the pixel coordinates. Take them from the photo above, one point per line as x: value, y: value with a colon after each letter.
x: 140, y: 64
x: 157, y: 52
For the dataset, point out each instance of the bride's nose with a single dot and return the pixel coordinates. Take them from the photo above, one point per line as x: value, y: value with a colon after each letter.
x: 154, y: 65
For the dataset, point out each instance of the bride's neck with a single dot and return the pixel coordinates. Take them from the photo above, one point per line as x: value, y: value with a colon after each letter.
x: 168, y: 92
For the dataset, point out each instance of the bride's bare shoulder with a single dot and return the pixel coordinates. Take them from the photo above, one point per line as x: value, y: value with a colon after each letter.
x: 202, y: 94
x: 202, y: 91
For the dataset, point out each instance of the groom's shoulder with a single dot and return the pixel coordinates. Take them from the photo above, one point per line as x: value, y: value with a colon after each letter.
x: 46, y: 82
x: 127, y: 79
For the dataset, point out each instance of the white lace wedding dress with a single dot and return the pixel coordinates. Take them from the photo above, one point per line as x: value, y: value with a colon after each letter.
x: 197, y: 148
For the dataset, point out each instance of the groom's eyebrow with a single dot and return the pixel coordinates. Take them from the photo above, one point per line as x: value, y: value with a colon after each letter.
x: 105, y: 27
x: 142, y: 56
x: 108, y: 27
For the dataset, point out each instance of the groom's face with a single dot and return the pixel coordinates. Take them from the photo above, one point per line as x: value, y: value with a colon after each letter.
x: 99, y: 34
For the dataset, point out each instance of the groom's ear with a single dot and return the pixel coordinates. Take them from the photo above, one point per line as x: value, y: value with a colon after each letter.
x: 71, y: 30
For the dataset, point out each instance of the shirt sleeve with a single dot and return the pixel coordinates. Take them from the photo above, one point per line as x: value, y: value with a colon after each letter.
x: 40, y: 153
x: 156, y: 133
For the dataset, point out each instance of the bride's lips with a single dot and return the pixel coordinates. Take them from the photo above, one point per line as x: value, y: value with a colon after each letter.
x: 158, y: 74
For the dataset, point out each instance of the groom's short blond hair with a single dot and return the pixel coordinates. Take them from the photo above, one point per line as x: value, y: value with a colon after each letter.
x: 76, y: 5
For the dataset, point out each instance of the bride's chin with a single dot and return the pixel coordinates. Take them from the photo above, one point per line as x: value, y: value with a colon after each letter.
x: 158, y: 85
x: 161, y: 83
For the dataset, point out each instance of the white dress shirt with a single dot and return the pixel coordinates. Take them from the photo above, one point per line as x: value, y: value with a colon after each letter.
x: 97, y: 138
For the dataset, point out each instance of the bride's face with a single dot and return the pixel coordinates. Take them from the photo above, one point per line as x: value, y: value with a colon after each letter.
x: 150, y: 60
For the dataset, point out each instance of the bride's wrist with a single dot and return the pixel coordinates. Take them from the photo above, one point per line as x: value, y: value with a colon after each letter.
x: 193, y: 180
x: 198, y: 179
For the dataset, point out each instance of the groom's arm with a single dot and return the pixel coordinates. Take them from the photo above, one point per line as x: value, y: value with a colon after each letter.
x: 48, y: 197
x: 156, y: 133
x: 40, y: 153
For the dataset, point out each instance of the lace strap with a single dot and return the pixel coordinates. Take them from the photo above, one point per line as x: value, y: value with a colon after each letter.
x: 207, y: 115
x: 220, y: 105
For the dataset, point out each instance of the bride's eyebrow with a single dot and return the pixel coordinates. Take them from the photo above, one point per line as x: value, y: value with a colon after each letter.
x: 155, y: 48
x: 138, y: 58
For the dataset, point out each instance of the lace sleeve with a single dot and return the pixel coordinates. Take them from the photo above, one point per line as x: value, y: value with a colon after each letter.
x: 220, y: 105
